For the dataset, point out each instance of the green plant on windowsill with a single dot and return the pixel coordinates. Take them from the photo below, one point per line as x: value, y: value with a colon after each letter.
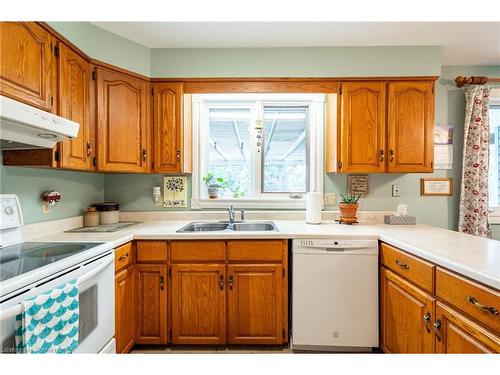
x: 217, y: 186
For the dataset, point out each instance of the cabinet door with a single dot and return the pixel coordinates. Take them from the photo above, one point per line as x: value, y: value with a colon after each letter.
x: 27, y: 58
x: 255, y: 304
x: 407, y: 313
x: 124, y: 310
x: 151, y: 281
x: 411, y: 127
x: 198, y: 304
x: 457, y: 334
x: 168, y: 126
x: 74, y: 104
x: 361, y: 141
x: 122, y: 122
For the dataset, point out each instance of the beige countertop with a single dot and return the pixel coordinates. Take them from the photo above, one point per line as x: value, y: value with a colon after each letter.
x: 474, y: 257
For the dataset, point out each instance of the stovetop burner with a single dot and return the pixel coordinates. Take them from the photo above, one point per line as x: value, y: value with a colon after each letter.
x: 28, y: 256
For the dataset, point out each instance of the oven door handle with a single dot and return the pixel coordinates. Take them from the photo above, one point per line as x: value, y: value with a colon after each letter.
x: 17, y: 309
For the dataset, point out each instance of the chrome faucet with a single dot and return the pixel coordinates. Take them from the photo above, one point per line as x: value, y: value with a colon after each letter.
x: 242, y: 215
x: 230, y: 211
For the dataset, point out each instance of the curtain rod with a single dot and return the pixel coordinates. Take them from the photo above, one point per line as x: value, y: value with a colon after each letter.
x: 461, y: 81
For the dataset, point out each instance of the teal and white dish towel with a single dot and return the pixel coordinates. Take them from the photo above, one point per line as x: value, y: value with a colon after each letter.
x: 49, y: 322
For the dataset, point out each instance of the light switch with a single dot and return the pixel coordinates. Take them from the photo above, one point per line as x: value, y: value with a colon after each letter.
x: 330, y: 199
x: 395, y: 190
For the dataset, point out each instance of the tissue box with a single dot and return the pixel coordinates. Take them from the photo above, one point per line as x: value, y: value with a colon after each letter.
x: 400, y: 220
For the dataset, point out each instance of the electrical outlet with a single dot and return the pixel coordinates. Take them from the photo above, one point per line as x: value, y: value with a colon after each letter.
x: 395, y: 190
x: 330, y: 199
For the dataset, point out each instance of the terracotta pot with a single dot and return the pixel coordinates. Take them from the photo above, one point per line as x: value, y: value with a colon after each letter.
x: 348, y: 210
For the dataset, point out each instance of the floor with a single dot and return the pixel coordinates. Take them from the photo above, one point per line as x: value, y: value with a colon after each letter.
x: 180, y: 349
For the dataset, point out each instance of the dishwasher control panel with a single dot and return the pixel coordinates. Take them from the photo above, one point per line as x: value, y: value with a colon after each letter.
x: 333, y: 243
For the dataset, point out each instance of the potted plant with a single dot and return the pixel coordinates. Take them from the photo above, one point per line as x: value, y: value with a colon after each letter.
x: 215, y: 186
x: 348, y: 207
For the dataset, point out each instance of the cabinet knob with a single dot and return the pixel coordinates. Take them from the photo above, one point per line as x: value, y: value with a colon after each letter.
x: 391, y: 153
x: 402, y: 265
x: 162, y: 282
x: 382, y: 156
x: 437, y: 329
x: 230, y: 282
x: 474, y: 302
x: 89, y: 149
x: 221, y: 282
x: 144, y: 154
x: 178, y: 155
x: 123, y: 257
x: 427, y: 319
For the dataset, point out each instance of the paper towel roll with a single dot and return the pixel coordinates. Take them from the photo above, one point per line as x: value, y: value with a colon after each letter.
x: 313, y: 207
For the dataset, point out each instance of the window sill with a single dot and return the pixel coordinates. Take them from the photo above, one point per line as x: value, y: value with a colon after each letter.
x: 494, y: 219
x: 249, y: 203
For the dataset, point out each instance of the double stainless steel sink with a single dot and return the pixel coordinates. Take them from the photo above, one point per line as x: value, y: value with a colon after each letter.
x: 220, y: 226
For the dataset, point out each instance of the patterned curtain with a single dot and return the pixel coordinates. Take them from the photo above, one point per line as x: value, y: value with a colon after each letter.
x: 473, y: 217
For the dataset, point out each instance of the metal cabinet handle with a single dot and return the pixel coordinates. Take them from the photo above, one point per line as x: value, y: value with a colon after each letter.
x: 221, y: 282
x: 474, y: 302
x: 230, y: 282
x: 382, y: 155
x: 162, y: 282
x: 402, y: 265
x: 437, y: 329
x: 178, y: 155
x: 427, y: 319
x: 89, y: 149
x: 123, y: 257
x: 391, y: 153
x: 144, y: 154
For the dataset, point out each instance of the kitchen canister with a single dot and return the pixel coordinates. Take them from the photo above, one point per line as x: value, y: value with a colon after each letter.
x: 91, y: 217
x: 109, y: 212
x: 314, y: 202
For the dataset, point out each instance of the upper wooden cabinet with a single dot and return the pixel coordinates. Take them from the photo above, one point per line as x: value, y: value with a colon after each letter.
x: 362, y: 129
x: 28, y: 64
x: 122, y: 122
x: 410, y: 126
x: 74, y: 104
x: 171, y: 125
x: 382, y: 127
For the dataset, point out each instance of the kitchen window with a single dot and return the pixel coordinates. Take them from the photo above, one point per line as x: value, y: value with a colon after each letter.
x: 494, y: 167
x: 263, y: 150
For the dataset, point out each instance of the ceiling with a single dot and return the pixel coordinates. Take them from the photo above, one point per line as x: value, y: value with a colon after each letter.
x: 463, y: 43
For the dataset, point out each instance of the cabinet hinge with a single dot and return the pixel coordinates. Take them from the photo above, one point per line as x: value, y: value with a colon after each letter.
x: 283, y: 272
x: 51, y: 101
x: 56, y: 51
x: 94, y: 161
x: 339, y: 165
x: 57, y: 156
x: 170, y: 272
x: 94, y: 75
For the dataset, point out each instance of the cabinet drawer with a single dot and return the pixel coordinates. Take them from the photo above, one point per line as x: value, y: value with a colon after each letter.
x: 152, y: 251
x: 123, y: 256
x: 414, y: 269
x: 198, y: 251
x: 263, y: 250
x: 480, y: 302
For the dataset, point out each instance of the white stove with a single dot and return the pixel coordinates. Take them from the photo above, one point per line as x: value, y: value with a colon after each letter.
x: 30, y: 268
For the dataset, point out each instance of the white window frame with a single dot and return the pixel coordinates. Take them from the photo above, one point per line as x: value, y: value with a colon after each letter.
x: 316, y: 126
x: 494, y: 212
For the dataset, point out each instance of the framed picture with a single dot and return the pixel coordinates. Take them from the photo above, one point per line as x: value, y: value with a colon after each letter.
x: 357, y: 185
x: 175, y: 191
x: 438, y: 186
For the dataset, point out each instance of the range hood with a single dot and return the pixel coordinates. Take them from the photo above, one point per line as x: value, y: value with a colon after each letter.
x: 25, y: 127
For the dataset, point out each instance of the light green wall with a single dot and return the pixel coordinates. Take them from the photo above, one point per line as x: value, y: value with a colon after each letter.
x: 103, y: 45
x: 78, y: 189
x: 296, y: 62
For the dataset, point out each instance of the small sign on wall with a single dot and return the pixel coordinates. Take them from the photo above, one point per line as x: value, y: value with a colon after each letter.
x: 174, y: 191
x: 357, y: 185
x: 436, y: 186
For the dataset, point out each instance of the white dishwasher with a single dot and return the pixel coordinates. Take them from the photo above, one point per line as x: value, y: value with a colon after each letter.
x: 335, y: 295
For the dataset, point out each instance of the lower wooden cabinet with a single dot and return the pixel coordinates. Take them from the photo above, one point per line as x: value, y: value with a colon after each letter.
x: 255, y: 304
x: 124, y: 310
x: 151, y: 286
x: 457, y: 334
x: 198, y: 304
x: 407, y: 314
